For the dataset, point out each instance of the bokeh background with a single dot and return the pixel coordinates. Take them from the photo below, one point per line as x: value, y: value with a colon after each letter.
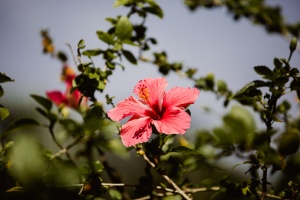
x: 208, y: 39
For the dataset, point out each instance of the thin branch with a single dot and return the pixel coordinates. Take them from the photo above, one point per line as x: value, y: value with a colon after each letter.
x: 73, y: 55
x: 64, y: 150
x: 169, y: 180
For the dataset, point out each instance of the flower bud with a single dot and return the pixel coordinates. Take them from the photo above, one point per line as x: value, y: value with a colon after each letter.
x: 293, y: 44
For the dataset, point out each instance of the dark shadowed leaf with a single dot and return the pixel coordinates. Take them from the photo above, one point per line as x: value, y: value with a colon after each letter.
x: 93, y: 118
x: 281, y: 80
x: 245, y: 88
x: 4, y: 78
x: 129, y: 56
x: 155, y: 10
x: 295, y: 85
x: 1, y: 91
x: 289, y: 143
x: 21, y: 123
x: 49, y: 115
x: 264, y: 71
x: 62, y: 56
x: 46, y: 103
x: 277, y: 63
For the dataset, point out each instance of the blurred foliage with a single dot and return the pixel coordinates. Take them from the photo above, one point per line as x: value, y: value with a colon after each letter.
x: 78, y: 167
x: 257, y: 11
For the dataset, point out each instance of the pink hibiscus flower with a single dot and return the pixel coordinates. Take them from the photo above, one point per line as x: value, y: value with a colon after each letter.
x: 155, y: 106
x: 67, y: 98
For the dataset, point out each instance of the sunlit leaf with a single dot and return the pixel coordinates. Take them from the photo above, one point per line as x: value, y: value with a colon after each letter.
x: 92, y: 52
x: 105, y: 37
x: 80, y: 44
x: 98, y: 166
x: 120, y: 2
x: 123, y: 28
x: 4, y: 112
x: 221, y: 86
x: 115, y: 194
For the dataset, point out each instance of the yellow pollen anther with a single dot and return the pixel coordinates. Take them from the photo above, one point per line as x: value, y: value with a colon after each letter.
x: 144, y: 93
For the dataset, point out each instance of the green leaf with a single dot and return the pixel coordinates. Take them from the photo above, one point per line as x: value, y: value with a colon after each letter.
x: 81, y: 44
x: 155, y: 10
x: 245, y: 88
x: 46, y: 103
x: 92, y: 120
x: 293, y: 44
x: 184, y: 150
x: 221, y: 86
x: 281, y: 80
x: 21, y: 123
x: 172, y: 197
x: 289, y: 143
x: 105, y: 37
x: 120, y: 2
x: 294, y: 72
x: 295, y: 85
x: 115, y: 194
x: 129, y: 56
x: 277, y: 63
x: 4, y: 113
x: 98, y: 166
x: 265, y: 72
x: 1, y: 91
x: 4, y: 78
x: 94, y: 52
x: 51, y: 116
x: 62, y: 56
x: 124, y: 28
x: 110, y: 65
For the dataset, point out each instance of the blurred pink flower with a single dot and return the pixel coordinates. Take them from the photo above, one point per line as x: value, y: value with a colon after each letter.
x: 163, y: 109
x: 67, y: 98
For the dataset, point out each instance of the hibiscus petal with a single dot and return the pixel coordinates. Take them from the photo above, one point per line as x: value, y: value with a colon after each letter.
x: 180, y: 97
x: 128, y: 107
x: 56, y: 97
x: 151, y: 90
x: 174, y: 121
x: 135, y: 131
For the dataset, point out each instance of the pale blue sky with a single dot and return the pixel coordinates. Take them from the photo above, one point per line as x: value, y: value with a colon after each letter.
x: 207, y: 39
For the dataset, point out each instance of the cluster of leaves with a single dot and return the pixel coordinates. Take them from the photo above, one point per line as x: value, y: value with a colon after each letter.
x: 255, y: 10
x: 78, y: 166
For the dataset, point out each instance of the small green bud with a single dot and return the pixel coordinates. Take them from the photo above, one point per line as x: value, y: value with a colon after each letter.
x: 293, y: 44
